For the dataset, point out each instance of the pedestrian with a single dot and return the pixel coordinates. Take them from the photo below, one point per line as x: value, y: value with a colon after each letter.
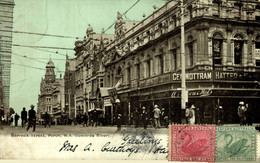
x: 85, y: 120
x: 32, y: 119
x: 241, y: 113
x: 95, y: 117
x: 249, y: 115
x: 144, y: 116
x: 11, y: 120
x: 197, y: 117
x: 2, y: 113
x: 119, y: 118
x: 24, y: 117
x: 157, y: 113
x: 136, y: 118
x: 47, y: 119
x: 192, y: 115
x: 164, y: 118
x: 16, y: 119
x: 220, y: 115
x: 187, y: 114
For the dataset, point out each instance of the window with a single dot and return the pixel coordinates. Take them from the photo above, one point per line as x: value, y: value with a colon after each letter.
x: 138, y: 71
x: 161, y: 64
x: 101, y: 83
x: 174, y: 59
x: 148, y: 68
x: 238, y: 49
x: 190, y: 11
x: 190, y: 47
x: 217, y: 48
x: 128, y: 74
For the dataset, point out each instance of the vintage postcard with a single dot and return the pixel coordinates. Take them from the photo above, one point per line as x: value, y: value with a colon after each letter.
x: 173, y: 80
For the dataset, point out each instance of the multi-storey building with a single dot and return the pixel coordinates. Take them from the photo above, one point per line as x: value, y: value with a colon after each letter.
x: 6, y: 26
x: 222, y: 43
x: 90, y: 72
x: 69, y: 81
x: 51, y: 98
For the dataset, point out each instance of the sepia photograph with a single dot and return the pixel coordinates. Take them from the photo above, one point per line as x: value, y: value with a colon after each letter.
x: 175, y: 80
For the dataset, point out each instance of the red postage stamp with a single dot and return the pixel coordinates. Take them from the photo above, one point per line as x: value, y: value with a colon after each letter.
x: 192, y: 143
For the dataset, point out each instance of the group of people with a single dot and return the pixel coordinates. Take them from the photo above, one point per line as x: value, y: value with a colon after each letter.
x: 158, y: 118
x: 90, y: 119
x: 29, y: 118
x: 244, y: 114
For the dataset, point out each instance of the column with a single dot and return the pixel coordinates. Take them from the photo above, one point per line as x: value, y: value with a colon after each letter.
x: 230, y: 47
x: 249, y: 48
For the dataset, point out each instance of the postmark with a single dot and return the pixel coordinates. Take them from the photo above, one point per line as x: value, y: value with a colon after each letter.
x: 235, y: 143
x: 192, y: 143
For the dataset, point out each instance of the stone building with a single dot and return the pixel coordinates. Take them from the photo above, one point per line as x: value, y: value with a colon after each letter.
x: 89, y: 71
x: 222, y: 42
x: 6, y: 26
x: 51, y: 98
x: 69, y: 81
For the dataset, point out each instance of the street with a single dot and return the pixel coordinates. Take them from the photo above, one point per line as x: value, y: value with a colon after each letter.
x: 79, y: 129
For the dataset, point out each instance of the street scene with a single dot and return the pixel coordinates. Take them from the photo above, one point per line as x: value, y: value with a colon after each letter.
x: 175, y: 62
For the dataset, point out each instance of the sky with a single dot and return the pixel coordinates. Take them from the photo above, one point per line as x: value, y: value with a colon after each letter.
x: 58, y: 17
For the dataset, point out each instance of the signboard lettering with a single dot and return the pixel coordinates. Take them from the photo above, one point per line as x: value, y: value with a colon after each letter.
x: 193, y: 76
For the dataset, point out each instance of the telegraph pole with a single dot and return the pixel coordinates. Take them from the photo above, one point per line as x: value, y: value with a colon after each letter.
x: 184, y: 95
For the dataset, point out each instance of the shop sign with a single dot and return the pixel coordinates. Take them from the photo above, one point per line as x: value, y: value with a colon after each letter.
x: 155, y: 80
x: 193, y: 76
x: 244, y: 76
x: 200, y: 93
x: 107, y: 102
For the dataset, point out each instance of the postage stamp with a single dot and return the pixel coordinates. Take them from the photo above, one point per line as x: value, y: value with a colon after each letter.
x: 235, y: 143
x: 192, y: 143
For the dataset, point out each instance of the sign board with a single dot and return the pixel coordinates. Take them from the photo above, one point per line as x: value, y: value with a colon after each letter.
x: 107, y: 102
x: 193, y: 76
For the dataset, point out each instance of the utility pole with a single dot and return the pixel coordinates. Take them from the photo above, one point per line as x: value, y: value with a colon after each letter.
x: 184, y: 95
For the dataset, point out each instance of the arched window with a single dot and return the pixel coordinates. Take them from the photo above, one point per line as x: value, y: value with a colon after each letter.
x: 238, y: 48
x: 217, y: 42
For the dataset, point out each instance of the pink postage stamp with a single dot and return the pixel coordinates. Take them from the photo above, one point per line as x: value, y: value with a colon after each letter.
x: 192, y: 143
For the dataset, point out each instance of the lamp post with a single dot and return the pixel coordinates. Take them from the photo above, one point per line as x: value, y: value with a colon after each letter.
x: 184, y: 94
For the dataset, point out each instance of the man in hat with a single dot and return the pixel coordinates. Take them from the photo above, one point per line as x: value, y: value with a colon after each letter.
x: 16, y: 118
x: 136, y: 118
x: 144, y: 116
x: 220, y: 115
x: 241, y: 113
x: 157, y: 113
x: 32, y: 119
x: 24, y: 117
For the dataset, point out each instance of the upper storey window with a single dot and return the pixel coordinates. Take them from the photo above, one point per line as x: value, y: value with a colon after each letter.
x: 238, y: 48
x: 217, y: 48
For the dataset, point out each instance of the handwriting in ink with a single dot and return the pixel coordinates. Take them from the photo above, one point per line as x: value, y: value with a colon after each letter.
x: 68, y: 147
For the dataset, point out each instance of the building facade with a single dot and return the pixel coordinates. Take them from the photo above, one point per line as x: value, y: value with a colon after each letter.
x: 69, y: 81
x: 51, y: 98
x: 221, y: 53
x: 90, y: 72
x: 6, y: 26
